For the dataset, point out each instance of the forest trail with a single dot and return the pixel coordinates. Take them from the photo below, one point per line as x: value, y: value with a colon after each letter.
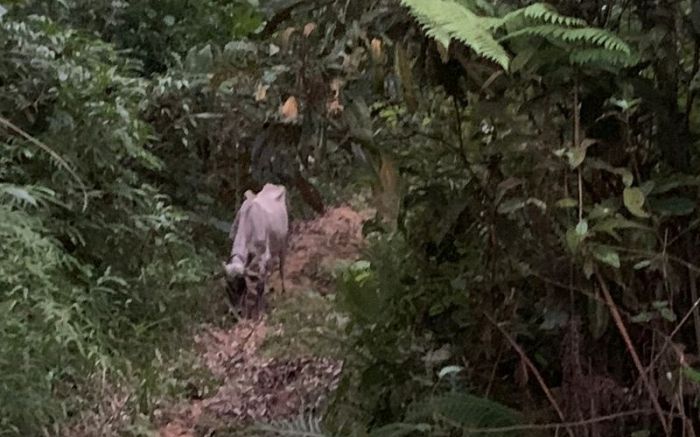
x: 254, y: 387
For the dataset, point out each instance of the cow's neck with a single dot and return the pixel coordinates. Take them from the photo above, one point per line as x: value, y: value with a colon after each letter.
x: 234, y: 255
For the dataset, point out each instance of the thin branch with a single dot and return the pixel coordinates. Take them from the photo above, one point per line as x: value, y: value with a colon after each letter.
x: 630, y: 347
x: 546, y: 426
x: 21, y: 132
x: 534, y: 371
x: 577, y: 143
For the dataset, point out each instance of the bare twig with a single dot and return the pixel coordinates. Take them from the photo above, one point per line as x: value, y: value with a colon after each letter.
x: 692, y: 282
x: 62, y: 162
x: 577, y: 142
x: 556, y: 426
x: 534, y: 371
x: 668, y: 339
x: 630, y: 347
x: 109, y: 419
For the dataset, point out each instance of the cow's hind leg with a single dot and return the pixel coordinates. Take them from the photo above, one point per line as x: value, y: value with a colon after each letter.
x: 259, y: 298
x: 282, y: 256
x: 264, y: 273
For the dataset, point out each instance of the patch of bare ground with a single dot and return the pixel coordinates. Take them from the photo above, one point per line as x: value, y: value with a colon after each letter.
x: 255, y: 387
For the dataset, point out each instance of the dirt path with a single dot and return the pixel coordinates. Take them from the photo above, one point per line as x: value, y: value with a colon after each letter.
x: 258, y: 388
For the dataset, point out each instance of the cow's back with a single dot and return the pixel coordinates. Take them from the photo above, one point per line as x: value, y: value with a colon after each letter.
x: 271, y: 209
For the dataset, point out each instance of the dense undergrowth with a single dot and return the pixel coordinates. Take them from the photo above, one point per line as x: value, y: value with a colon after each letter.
x: 533, y: 166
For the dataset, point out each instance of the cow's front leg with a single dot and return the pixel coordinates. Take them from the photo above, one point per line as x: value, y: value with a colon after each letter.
x: 282, y: 256
x: 262, y: 280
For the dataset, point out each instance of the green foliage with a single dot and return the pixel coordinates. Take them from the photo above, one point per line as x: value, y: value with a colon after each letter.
x: 309, y: 326
x: 155, y: 33
x: 464, y: 410
x: 86, y: 288
x: 446, y: 20
x: 520, y: 195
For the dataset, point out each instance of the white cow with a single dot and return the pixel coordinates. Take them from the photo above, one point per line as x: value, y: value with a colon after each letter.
x: 259, y: 233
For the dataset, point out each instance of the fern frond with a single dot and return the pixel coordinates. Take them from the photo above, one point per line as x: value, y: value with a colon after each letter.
x: 445, y: 20
x: 598, y: 57
x: 400, y: 429
x: 483, y: 6
x: 539, y: 12
x: 586, y: 35
x: 465, y: 410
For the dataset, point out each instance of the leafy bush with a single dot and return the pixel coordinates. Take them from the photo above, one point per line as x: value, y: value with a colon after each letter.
x: 97, y: 263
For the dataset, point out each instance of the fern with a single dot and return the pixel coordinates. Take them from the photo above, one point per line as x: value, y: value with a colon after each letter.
x: 401, y: 429
x: 600, y: 57
x: 539, y: 12
x: 586, y: 35
x: 465, y: 410
x: 445, y: 20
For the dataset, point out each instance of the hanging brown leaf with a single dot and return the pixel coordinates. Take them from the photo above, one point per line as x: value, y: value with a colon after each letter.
x: 334, y: 105
x: 261, y: 92
x: 521, y: 374
x: 442, y: 51
x: 376, y: 50
x: 403, y: 68
x: 290, y: 110
x: 308, y: 28
x: 387, y: 193
x: 286, y: 36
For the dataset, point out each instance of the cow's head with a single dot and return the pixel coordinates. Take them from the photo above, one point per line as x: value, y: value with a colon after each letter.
x: 234, y: 268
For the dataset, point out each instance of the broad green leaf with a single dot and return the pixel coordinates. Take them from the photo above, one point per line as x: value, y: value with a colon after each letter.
x: 573, y: 240
x: 606, y: 255
x: 538, y: 203
x: 692, y: 374
x: 554, y: 319
x: 642, y: 264
x: 438, y: 355
x: 604, y: 209
x: 610, y: 225
x: 668, y: 314
x: 634, y: 201
x: 19, y: 193
x: 566, y: 202
x: 647, y: 187
x: 672, y: 206
x: 643, y: 317
x: 506, y: 186
x: 624, y: 173
x: 658, y: 304
x: 582, y: 228
x: 511, y: 205
x: 576, y: 156
x: 674, y: 182
x: 449, y: 370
